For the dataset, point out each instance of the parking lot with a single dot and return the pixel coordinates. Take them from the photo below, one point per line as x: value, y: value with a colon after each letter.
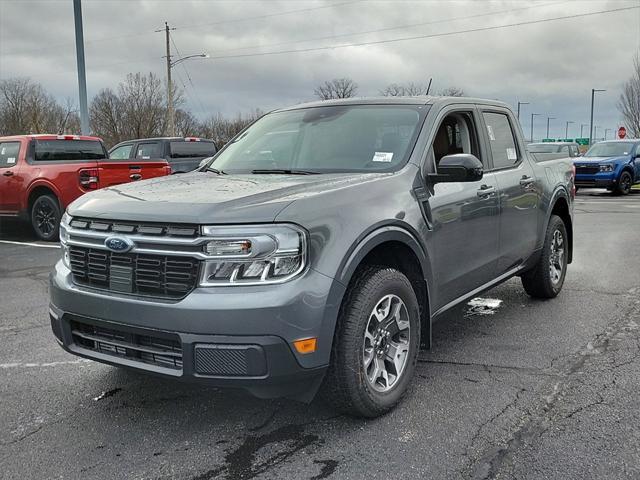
x: 532, y: 389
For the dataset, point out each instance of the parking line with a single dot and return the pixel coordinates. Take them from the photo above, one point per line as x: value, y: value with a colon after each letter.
x: 29, y: 244
x: 40, y: 365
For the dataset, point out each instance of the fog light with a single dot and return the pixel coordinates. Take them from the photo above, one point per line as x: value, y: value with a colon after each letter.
x: 307, y: 345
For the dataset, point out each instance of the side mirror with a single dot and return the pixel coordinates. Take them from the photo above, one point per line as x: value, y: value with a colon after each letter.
x: 460, y: 167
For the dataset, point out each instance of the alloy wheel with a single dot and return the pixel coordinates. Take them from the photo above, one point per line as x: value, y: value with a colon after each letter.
x: 556, y: 258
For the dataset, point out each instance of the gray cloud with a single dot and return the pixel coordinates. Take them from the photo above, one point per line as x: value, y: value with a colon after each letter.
x: 552, y: 65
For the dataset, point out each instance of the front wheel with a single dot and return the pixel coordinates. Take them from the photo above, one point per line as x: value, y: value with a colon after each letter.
x: 45, y: 217
x: 546, y: 278
x: 376, y: 344
x: 624, y: 184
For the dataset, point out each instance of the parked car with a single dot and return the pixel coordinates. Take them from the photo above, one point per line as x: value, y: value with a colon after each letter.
x: 183, y: 154
x: 613, y: 164
x: 551, y: 150
x: 41, y: 174
x: 315, y: 250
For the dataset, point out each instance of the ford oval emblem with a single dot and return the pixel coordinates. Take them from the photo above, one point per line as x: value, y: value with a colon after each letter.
x: 118, y: 244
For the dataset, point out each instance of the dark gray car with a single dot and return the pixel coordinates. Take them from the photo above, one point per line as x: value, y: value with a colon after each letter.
x: 315, y: 250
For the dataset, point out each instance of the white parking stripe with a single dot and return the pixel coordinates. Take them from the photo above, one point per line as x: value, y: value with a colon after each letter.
x: 40, y: 365
x: 29, y: 244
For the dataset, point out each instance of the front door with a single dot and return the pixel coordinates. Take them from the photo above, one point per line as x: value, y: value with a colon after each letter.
x: 463, y: 215
x: 520, y: 191
x: 10, y: 180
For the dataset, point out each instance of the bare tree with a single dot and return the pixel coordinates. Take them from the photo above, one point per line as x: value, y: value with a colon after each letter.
x: 452, y: 92
x: 26, y: 107
x: 336, y: 88
x: 221, y: 129
x: 629, y: 102
x: 407, y: 90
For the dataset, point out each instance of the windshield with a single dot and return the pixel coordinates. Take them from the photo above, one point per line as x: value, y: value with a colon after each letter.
x: 610, y: 149
x: 343, y: 138
x: 547, y: 148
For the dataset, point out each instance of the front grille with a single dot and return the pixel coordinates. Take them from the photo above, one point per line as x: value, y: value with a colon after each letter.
x: 135, y: 228
x: 587, y: 169
x: 154, y: 348
x: 162, y: 276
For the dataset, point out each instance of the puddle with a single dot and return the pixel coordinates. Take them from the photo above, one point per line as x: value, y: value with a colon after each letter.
x: 482, y: 306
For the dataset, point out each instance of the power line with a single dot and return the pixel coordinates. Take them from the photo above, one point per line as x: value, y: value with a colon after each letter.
x: 398, y: 27
x: 268, y: 15
x: 417, y: 37
x: 193, y: 87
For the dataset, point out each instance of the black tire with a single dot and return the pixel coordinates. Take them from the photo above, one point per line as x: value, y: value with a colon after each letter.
x: 539, y: 282
x: 346, y: 386
x: 45, y: 218
x: 624, y: 184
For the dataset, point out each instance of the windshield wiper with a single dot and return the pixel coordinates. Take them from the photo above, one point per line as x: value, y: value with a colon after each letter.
x: 215, y: 170
x: 283, y: 171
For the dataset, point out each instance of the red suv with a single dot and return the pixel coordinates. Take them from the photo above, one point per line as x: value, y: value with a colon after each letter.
x: 41, y: 174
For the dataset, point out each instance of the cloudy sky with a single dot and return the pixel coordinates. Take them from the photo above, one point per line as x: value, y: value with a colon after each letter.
x: 267, y: 54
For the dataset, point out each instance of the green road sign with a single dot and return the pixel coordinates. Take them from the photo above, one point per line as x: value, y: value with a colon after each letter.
x: 582, y: 141
x: 548, y: 140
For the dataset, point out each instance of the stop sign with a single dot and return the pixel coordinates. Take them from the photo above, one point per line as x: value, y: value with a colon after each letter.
x: 622, y: 132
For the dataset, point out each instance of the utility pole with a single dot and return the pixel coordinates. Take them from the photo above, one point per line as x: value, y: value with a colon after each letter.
x: 593, y: 93
x: 82, y: 77
x: 566, y: 129
x: 549, y: 118
x: 521, y: 103
x: 533, y: 115
x: 171, y: 124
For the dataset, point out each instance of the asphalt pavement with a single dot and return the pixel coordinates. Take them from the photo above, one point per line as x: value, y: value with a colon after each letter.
x: 528, y: 390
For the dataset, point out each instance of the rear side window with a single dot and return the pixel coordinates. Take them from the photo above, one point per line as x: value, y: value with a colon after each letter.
x: 9, y: 154
x: 501, y: 140
x: 148, y: 150
x: 121, y: 153
x: 192, y: 149
x: 51, y: 150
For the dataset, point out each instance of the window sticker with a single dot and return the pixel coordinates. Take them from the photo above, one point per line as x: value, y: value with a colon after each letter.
x: 11, y: 160
x: 384, y: 157
x: 511, y: 154
x: 2, y: 151
x: 492, y: 137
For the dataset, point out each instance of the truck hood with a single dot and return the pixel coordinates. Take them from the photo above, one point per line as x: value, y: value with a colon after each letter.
x: 594, y: 160
x: 205, y: 197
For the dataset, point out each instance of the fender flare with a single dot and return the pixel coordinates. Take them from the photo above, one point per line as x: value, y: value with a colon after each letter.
x: 41, y: 182
x: 560, y: 192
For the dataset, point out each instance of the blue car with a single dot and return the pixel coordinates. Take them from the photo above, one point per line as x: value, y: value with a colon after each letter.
x: 614, y: 165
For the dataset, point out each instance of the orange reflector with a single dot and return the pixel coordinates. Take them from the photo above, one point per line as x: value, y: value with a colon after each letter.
x: 308, y: 345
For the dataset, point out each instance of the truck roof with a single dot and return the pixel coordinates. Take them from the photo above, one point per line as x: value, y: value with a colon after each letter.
x: 422, y: 100
x: 50, y: 136
x: 165, y: 138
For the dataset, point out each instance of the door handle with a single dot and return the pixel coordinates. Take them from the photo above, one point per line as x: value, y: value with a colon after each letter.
x: 526, y: 180
x: 134, y: 167
x: 135, y: 176
x: 486, y: 190
x: 7, y: 173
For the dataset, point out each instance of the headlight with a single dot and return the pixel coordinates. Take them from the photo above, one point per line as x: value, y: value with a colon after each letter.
x: 64, y: 236
x: 253, y: 254
x: 606, y: 168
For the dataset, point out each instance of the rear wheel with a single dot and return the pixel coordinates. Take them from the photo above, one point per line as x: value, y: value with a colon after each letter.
x: 45, y: 217
x: 546, y: 278
x: 624, y: 184
x: 376, y: 344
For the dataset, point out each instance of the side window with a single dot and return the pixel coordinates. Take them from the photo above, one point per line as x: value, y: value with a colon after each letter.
x: 148, y: 150
x: 9, y: 154
x: 574, y: 151
x: 456, y: 134
x: 121, y: 153
x: 501, y: 141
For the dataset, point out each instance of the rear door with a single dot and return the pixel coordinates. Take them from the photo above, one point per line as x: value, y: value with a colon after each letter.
x: 520, y: 191
x: 11, y: 184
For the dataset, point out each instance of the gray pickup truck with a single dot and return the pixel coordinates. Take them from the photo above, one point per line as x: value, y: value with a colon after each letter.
x: 314, y: 251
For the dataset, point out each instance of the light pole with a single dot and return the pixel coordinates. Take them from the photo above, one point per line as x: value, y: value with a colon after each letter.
x: 521, y: 103
x: 549, y: 118
x: 533, y: 115
x: 566, y: 129
x: 593, y: 93
x: 82, y: 77
x: 170, y: 64
x: 606, y: 132
x: 582, y: 125
x: 595, y: 132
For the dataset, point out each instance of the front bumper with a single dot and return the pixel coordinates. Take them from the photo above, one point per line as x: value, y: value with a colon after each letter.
x: 597, y: 180
x: 225, y: 336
